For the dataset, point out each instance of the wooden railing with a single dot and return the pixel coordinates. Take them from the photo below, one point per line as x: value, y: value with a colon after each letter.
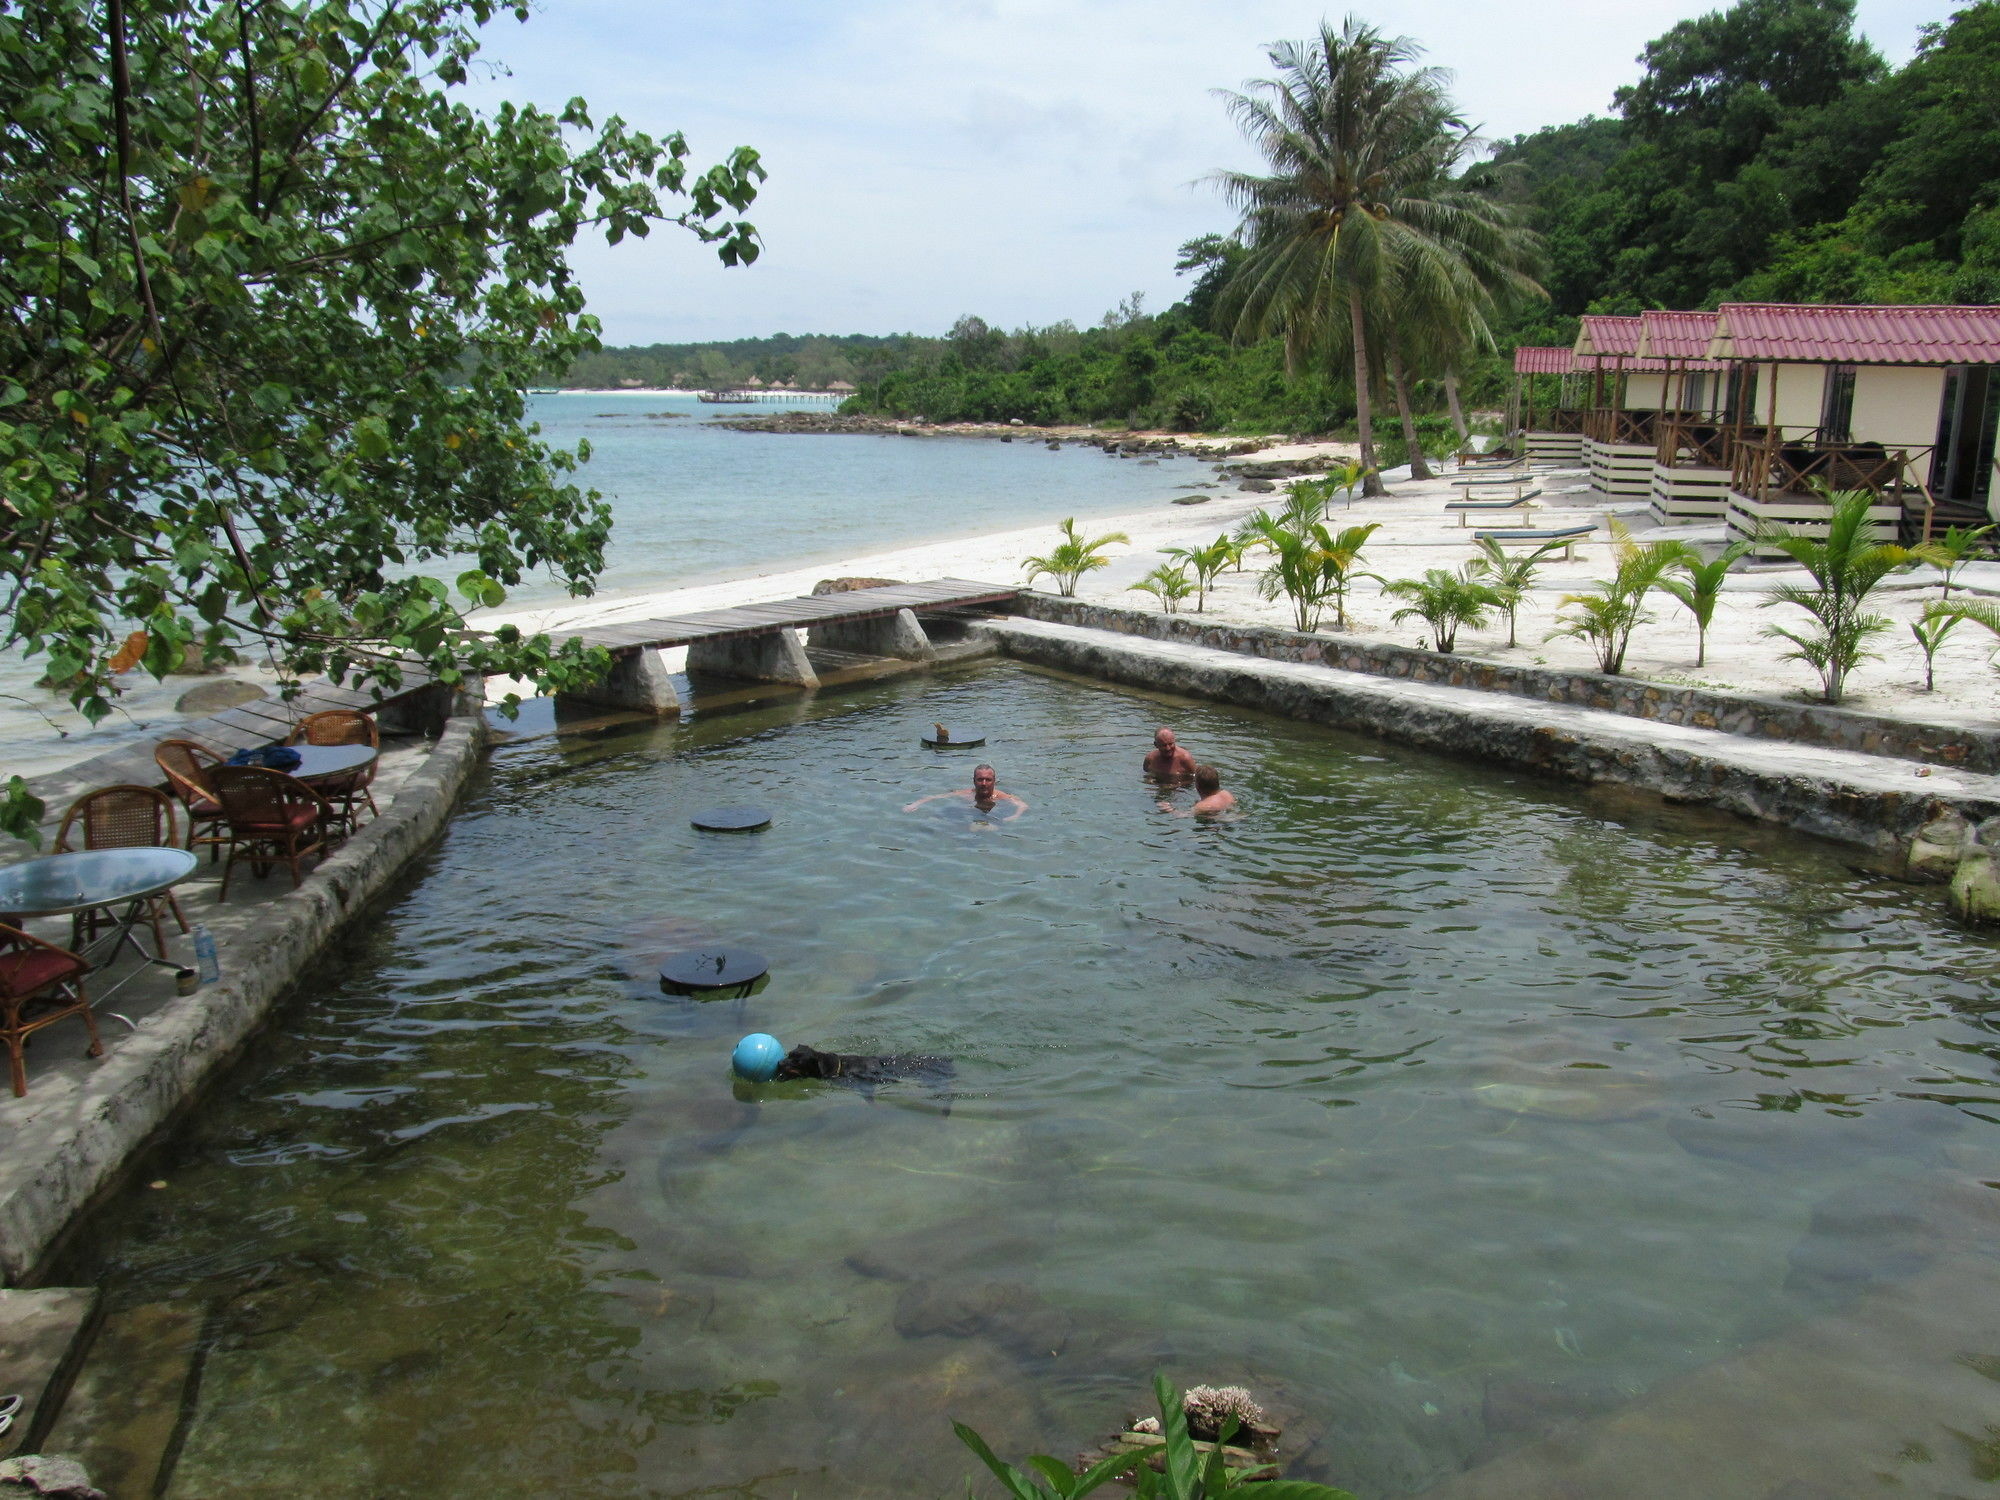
x: 1702, y: 442
x: 1774, y: 468
x: 1563, y: 420
x: 1622, y: 428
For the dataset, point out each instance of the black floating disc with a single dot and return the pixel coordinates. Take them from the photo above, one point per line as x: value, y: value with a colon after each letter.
x: 732, y: 819
x: 703, y: 970
x: 960, y: 740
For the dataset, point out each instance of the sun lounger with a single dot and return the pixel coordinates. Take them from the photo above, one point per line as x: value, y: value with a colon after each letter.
x: 1517, y: 476
x: 1466, y: 507
x: 1568, y: 535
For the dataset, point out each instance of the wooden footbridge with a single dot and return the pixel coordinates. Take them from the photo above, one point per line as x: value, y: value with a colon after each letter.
x: 760, y: 641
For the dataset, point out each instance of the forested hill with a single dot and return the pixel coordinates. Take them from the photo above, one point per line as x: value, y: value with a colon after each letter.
x: 1763, y: 152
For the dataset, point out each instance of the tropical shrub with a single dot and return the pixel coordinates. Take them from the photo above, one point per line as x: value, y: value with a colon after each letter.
x: 1207, y: 562
x: 1167, y: 583
x: 1953, y: 550
x: 1699, y: 587
x: 1511, y: 574
x: 1937, y: 621
x: 1447, y: 602
x: 1310, y: 566
x: 1845, y: 567
x: 1605, y: 615
x: 1072, y: 557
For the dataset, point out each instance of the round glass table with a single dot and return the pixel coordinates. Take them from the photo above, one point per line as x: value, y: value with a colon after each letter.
x: 331, y: 760
x: 58, y: 885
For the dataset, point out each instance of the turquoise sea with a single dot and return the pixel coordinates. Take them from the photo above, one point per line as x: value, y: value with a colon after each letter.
x: 696, y: 502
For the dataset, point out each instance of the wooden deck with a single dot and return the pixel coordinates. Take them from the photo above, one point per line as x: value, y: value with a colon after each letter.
x: 814, y: 609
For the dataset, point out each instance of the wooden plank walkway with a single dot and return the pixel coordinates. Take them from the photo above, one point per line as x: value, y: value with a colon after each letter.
x: 813, y: 609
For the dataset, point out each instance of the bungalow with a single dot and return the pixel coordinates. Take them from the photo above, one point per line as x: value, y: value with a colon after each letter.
x: 1899, y: 401
x: 1627, y: 391
x: 1547, y: 412
x: 1702, y: 414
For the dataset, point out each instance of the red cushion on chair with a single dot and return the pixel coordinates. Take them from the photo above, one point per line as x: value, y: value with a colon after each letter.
x: 300, y: 817
x: 25, y: 972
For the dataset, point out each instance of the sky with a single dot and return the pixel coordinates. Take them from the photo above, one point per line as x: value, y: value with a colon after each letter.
x: 1024, y: 160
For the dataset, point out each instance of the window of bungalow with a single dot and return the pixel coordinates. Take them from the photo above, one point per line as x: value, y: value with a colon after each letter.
x: 1739, y: 400
x: 1836, y: 406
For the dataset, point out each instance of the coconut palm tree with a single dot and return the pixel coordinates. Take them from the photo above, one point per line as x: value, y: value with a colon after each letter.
x: 1167, y: 583
x: 1360, y: 207
x: 1845, y: 567
x: 1447, y: 602
x: 1072, y: 557
x: 1207, y: 562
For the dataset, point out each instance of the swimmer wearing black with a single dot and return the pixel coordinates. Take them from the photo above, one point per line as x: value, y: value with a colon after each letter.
x: 859, y: 1068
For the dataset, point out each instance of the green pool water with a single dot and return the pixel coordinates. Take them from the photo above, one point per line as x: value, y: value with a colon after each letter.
x: 1429, y: 1100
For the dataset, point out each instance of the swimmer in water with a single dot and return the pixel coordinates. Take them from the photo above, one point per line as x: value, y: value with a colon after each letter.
x: 1210, y: 797
x: 985, y: 795
x: 1167, y: 761
x: 761, y: 1058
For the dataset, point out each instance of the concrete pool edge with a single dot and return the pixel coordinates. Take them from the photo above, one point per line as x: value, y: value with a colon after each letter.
x: 51, y: 1173
x: 1871, y: 800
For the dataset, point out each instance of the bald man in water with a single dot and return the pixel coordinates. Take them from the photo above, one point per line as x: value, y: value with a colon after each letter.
x: 1167, y: 761
x: 985, y: 795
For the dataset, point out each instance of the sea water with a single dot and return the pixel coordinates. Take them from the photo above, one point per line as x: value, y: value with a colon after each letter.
x: 694, y: 502
x: 1432, y: 1102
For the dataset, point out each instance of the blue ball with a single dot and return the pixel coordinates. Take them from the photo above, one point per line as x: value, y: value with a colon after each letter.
x: 757, y: 1057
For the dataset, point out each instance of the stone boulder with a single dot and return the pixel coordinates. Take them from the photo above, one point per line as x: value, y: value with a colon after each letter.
x: 214, y: 697
x: 1939, y: 846
x: 1975, y: 888
x: 48, y: 1474
x: 849, y: 585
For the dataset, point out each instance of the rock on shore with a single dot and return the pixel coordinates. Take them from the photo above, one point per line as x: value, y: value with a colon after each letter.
x: 1122, y: 444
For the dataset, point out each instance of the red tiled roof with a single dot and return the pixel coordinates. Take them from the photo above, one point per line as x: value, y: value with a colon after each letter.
x: 1609, y: 341
x: 1543, y: 359
x: 1858, y: 335
x: 1604, y: 333
x: 1680, y: 336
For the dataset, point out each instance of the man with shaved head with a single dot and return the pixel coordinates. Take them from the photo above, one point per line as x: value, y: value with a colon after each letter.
x: 1167, y: 761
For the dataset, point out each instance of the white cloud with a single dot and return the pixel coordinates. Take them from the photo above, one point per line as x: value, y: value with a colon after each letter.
x: 1028, y: 160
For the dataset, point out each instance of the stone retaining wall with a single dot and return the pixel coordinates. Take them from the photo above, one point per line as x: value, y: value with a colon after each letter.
x: 56, y: 1163
x: 1699, y: 708
x: 1871, y: 801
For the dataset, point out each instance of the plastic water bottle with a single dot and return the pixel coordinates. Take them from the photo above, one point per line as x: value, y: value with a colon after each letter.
x: 204, y: 955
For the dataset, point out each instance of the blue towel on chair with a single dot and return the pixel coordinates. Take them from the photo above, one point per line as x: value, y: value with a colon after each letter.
x: 271, y: 757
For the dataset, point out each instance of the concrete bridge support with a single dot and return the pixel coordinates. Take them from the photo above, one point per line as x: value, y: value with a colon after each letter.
x: 898, y: 635
x: 639, y: 682
x: 773, y: 656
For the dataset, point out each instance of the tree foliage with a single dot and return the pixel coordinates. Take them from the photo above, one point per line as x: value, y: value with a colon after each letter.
x: 273, y: 294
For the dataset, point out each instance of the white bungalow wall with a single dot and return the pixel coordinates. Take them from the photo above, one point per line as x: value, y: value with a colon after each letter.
x: 1897, y: 406
x: 1645, y: 392
x: 1801, y: 390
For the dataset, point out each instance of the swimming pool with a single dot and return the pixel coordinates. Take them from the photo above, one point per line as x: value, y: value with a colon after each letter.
x: 1422, y: 1098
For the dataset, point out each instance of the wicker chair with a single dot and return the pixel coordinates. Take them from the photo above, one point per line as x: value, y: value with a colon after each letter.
x: 271, y: 819
x: 122, y: 817
x: 343, y: 726
x: 30, y: 970
x: 187, y: 765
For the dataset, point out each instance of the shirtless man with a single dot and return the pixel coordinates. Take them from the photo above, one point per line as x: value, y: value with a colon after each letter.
x: 985, y: 795
x: 1211, y: 798
x: 1166, y: 761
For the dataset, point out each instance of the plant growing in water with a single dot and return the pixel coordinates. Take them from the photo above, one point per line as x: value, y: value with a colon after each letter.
x: 1072, y: 557
x: 1845, y: 567
x: 1207, y: 562
x: 1447, y: 602
x: 1937, y: 621
x: 1167, y: 583
x: 1699, y: 587
x: 1511, y: 574
x: 1185, y: 1472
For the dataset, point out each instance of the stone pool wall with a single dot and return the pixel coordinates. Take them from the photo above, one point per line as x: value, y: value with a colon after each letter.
x: 1698, y: 708
x: 1857, y: 798
x: 71, y: 1143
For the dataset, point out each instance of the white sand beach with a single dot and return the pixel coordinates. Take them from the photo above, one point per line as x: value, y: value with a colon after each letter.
x: 1416, y: 533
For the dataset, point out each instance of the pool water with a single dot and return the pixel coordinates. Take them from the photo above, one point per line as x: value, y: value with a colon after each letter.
x: 1417, y: 1097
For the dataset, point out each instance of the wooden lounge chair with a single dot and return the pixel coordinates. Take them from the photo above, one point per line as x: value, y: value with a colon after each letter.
x: 122, y: 817
x: 1466, y: 507
x: 1568, y: 535
x: 343, y: 726
x: 187, y: 766
x: 272, y: 819
x: 40, y: 984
